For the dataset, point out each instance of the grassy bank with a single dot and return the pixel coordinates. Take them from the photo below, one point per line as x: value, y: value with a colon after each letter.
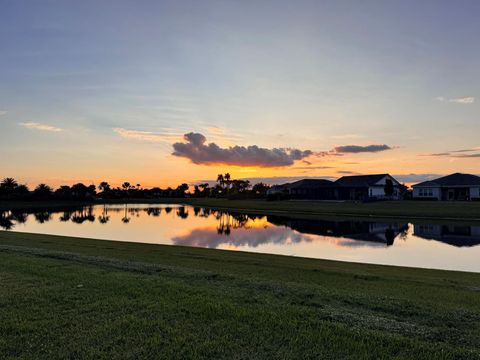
x: 76, y: 298
x: 408, y: 210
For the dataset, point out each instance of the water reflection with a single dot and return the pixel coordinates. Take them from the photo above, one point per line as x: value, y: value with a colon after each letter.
x: 454, y: 234
x: 213, y: 228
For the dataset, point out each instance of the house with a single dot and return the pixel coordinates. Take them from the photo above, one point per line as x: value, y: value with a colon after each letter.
x: 315, y: 189
x: 452, y: 187
x: 278, y: 189
x: 364, y: 187
x: 318, y: 189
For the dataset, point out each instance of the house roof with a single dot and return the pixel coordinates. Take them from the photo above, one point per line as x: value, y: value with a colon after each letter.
x: 310, y: 183
x: 456, y: 179
x: 360, y: 180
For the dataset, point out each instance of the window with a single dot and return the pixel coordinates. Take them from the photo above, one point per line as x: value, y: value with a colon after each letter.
x: 425, y: 192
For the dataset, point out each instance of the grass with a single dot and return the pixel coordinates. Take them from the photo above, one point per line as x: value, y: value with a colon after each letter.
x: 408, y: 210
x: 64, y: 297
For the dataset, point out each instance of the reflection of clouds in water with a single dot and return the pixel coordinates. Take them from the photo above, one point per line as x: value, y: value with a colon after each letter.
x: 352, y: 243
x: 253, y: 237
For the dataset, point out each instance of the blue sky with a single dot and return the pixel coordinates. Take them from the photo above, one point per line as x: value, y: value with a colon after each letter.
x: 102, y: 89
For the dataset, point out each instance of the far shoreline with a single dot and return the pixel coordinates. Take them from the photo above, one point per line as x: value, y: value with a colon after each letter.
x: 409, y: 210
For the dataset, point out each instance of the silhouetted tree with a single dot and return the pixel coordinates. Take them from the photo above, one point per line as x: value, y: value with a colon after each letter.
x: 104, y: 186
x: 180, y: 191
x: 260, y: 189
x: 8, y: 185
x: 43, y: 191
x: 389, y: 187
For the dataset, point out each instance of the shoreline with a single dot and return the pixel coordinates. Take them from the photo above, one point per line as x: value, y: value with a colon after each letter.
x: 407, y: 210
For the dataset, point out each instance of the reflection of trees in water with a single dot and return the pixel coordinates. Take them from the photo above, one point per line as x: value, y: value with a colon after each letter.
x: 182, y: 213
x: 66, y: 216
x: 83, y: 214
x: 19, y: 217
x: 104, y: 218
x: 125, y: 218
x: 43, y: 216
x: 153, y: 211
x: 6, y: 222
x: 227, y: 222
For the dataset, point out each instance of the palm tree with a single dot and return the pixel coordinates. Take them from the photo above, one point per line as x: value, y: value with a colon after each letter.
x: 8, y: 185
x: 221, y: 180
x: 104, y: 186
x: 43, y: 191
x: 228, y: 181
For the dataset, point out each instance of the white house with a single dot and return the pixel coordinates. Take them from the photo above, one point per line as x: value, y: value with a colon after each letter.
x: 452, y: 187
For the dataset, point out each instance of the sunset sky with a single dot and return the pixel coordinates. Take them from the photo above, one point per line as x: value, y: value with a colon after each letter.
x: 179, y: 91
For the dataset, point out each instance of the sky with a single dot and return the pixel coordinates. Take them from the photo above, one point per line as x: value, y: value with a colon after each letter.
x: 164, y: 92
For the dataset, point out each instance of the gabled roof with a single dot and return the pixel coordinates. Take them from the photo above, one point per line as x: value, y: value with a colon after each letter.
x: 456, y: 179
x: 310, y: 184
x: 360, y: 180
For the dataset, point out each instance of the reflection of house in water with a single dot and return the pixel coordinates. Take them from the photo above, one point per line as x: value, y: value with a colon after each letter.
x: 453, y: 234
x: 356, y: 230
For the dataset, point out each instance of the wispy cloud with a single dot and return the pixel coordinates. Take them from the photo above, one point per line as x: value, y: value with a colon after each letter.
x: 460, y: 100
x: 347, y: 172
x: 3, y: 112
x: 146, y: 135
x: 313, y: 167
x: 462, y: 153
x: 355, y: 149
x: 41, y: 127
x: 198, y: 151
x: 477, y: 155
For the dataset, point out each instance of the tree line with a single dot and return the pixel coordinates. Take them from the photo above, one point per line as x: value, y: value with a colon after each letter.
x: 225, y: 187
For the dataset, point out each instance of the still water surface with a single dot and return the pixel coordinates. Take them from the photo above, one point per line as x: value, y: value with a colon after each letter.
x: 439, y: 246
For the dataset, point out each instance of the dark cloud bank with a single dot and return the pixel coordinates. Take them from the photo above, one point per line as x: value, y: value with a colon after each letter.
x: 197, y: 150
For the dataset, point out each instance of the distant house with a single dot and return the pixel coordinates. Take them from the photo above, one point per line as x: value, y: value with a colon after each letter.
x: 452, y: 187
x: 363, y: 187
x: 278, y: 189
x: 316, y: 189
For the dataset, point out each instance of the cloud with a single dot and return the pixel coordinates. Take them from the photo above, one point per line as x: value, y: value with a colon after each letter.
x: 456, y: 153
x: 313, y: 167
x: 461, y: 100
x: 146, y: 135
x: 355, y: 149
x: 437, y: 154
x: 196, y: 149
x: 41, y: 127
x: 347, y: 172
x: 3, y: 112
x: 477, y: 155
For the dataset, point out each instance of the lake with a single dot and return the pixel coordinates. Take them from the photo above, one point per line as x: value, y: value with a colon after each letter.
x: 453, y: 246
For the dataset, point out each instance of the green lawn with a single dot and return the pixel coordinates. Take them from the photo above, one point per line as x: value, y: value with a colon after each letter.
x: 76, y: 298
